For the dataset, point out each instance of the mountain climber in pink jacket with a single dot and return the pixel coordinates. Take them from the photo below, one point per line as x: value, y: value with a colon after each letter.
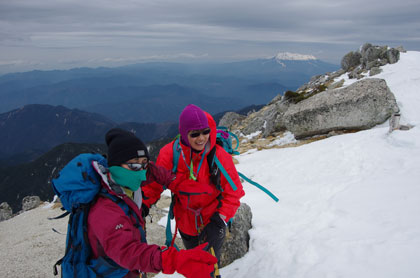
x: 114, y: 235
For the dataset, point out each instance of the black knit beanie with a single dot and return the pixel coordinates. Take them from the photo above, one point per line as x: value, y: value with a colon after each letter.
x: 123, y: 146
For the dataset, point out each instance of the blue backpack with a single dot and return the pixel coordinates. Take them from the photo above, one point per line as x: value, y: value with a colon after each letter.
x: 224, y: 139
x: 78, y: 186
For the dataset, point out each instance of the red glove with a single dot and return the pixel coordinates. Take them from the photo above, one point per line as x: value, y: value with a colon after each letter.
x: 159, y: 174
x: 192, y: 263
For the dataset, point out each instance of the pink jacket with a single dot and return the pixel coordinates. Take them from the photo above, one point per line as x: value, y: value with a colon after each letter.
x: 112, y: 233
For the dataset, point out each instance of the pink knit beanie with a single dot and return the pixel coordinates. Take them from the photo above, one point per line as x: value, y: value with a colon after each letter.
x: 191, y: 118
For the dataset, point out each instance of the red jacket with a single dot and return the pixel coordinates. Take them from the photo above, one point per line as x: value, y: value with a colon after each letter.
x: 186, y: 218
x: 112, y: 233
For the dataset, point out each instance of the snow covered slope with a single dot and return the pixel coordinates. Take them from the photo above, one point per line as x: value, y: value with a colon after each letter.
x: 349, y: 205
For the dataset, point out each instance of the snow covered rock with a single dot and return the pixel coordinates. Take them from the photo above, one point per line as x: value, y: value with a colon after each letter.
x: 359, y: 106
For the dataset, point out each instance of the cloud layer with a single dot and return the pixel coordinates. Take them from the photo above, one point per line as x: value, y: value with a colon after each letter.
x: 75, y: 32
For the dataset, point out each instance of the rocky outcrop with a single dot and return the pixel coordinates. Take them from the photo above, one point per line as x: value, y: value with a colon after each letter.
x: 350, y: 60
x: 5, y: 211
x: 267, y: 120
x: 237, y: 240
x: 359, y: 106
x: 30, y: 202
x: 369, y: 56
x: 357, y: 64
x: 231, y: 119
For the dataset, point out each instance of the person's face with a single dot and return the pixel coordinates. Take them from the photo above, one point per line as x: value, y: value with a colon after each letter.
x: 136, y: 164
x: 198, y: 138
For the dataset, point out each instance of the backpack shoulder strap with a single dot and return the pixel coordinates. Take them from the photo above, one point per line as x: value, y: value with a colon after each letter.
x: 176, y: 147
x: 168, y: 232
x: 214, y: 169
x: 225, y: 173
x: 176, y: 152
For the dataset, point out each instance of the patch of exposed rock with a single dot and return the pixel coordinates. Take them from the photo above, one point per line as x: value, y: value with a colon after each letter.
x: 30, y: 202
x: 156, y: 232
x: 5, y: 211
x: 237, y: 240
x: 267, y: 120
x: 231, y: 119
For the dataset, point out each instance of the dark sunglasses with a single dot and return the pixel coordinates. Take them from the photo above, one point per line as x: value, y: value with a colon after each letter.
x: 137, y: 166
x: 198, y: 133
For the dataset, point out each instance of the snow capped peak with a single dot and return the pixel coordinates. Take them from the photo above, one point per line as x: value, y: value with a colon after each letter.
x: 293, y: 56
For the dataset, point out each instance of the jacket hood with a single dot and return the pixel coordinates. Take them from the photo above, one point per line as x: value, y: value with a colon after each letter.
x: 213, y: 128
x: 213, y: 133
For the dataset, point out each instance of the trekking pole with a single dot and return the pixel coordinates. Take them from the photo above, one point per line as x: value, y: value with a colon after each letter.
x: 216, y: 266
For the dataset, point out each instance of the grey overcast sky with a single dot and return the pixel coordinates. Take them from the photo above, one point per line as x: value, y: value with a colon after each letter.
x: 61, y: 34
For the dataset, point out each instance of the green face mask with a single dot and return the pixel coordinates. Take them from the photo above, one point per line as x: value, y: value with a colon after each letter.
x: 127, y: 178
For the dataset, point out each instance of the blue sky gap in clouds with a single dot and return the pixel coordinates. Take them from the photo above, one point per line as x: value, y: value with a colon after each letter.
x: 63, y: 34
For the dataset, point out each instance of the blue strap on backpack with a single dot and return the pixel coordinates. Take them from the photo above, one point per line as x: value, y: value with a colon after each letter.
x: 78, y: 186
x: 224, y: 138
x: 268, y: 192
x: 168, y: 231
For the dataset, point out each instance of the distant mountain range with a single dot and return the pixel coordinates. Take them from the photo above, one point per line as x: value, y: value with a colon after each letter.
x: 156, y: 92
x: 34, y: 129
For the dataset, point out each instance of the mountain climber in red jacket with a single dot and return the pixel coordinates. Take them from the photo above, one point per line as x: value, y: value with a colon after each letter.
x: 114, y: 235
x: 201, y: 210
